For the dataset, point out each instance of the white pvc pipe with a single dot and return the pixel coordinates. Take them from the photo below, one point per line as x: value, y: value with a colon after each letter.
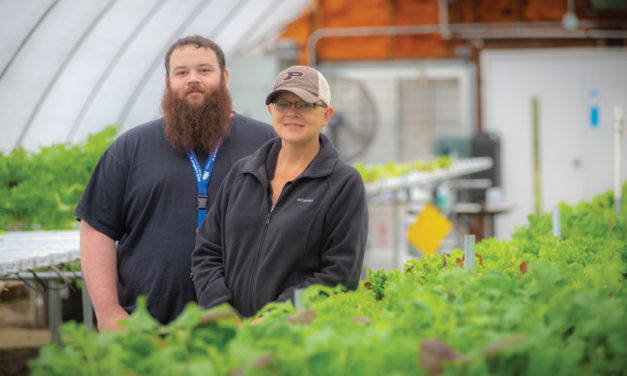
x: 618, y: 125
x: 469, y: 252
x: 557, y: 227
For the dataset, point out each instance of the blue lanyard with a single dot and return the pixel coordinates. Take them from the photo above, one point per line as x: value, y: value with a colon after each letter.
x: 202, y: 179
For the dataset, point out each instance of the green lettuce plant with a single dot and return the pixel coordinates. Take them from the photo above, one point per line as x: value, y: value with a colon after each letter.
x: 39, y: 190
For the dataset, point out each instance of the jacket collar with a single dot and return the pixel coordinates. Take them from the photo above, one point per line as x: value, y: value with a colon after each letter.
x: 321, y: 165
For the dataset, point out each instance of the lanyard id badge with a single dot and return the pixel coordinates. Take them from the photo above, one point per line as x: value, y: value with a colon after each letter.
x: 202, y: 179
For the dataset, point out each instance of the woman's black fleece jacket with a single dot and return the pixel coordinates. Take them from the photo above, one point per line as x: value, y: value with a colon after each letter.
x: 248, y: 253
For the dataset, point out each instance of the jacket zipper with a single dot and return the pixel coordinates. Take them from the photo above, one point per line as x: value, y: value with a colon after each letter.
x: 251, y: 286
x: 269, y: 215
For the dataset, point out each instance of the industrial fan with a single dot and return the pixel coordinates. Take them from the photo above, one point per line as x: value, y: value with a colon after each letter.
x: 353, y: 125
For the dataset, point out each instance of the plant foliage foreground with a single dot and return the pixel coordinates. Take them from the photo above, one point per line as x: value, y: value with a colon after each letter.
x: 537, y: 305
x: 40, y: 190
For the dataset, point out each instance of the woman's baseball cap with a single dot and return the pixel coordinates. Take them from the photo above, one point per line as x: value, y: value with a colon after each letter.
x: 305, y: 82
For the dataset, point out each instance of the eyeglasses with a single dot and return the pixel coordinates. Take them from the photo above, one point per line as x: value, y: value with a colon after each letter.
x: 302, y: 107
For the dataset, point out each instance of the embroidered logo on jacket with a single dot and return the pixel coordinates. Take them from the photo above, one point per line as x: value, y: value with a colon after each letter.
x: 304, y: 200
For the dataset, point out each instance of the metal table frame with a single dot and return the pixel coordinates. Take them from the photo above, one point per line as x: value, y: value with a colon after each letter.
x: 55, y: 280
x: 23, y: 256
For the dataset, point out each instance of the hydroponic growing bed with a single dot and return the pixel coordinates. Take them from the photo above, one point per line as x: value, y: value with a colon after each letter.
x: 537, y: 305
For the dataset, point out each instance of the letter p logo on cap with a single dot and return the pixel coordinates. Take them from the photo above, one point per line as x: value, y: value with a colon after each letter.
x: 291, y: 75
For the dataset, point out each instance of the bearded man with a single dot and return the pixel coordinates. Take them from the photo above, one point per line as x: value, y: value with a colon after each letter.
x: 152, y: 187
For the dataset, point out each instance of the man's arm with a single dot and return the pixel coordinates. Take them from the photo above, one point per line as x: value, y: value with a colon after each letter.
x: 99, y: 265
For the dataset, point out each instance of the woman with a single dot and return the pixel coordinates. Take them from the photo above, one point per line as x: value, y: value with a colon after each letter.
x: 290, y: 215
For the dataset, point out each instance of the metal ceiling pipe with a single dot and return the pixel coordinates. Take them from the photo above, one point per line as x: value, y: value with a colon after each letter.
x: 466, y: 31
x: 505, y: 33
x: 443, y: 19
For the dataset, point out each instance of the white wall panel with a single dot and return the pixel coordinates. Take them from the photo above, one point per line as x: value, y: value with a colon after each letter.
x: 576, y: 158
x: 404, y: 112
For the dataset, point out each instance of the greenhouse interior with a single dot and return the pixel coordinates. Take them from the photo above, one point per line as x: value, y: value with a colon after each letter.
x: 471, y: 218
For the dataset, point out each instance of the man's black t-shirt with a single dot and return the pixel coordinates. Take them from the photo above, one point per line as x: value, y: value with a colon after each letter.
x: 143, y: 194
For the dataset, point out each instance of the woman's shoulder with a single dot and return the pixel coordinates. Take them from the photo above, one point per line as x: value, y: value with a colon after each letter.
x: 348, y: 170
x: 242, y: 167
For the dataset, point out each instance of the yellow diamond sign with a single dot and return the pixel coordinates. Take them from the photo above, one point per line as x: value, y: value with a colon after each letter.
x: 428, y: 230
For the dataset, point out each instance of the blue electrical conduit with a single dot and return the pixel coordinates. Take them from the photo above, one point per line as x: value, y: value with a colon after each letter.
x: 105, y: 74
x: 62, y: 67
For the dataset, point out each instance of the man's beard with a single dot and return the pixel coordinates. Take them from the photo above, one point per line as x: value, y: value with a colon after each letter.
x: 197, y: 127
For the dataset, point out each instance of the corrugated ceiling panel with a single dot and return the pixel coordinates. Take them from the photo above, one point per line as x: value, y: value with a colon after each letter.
x: 90, y: 64
x: 26, y: 80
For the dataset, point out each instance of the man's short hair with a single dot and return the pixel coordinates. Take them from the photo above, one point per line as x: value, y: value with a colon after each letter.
x: 198, y: 41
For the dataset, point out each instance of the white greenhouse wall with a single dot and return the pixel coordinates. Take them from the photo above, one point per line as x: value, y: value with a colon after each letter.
x: 576, y: 157
x: 408, y: 120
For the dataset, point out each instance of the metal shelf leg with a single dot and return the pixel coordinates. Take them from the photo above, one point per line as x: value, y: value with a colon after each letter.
x: 54, y: 311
